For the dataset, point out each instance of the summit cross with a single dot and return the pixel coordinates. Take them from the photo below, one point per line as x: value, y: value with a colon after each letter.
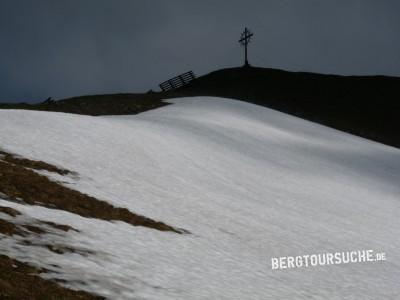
x: 244, y: 41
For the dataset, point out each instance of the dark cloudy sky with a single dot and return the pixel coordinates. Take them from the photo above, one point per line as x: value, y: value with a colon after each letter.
x: 73, y: 47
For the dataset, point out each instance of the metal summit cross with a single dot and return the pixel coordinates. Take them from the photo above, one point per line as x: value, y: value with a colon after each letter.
x: 244, y: 41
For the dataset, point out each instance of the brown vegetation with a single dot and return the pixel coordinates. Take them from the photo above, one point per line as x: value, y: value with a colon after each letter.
x: 8, y: 228
x: 65, y: 228
x: 9, y: 211
x: 21, y: 184
x: 31, y: 164
x: 117, y: 104
x: 20, y: 281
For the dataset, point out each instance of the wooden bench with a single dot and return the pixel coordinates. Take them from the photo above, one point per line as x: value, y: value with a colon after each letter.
x: 177, y: 81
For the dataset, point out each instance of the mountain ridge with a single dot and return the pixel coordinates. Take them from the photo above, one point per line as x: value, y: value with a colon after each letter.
x: 366, y: 106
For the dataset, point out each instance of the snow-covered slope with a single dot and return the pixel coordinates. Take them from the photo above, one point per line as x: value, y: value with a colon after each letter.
x: 248, y: 182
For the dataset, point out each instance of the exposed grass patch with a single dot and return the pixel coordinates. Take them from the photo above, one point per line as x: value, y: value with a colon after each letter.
x: 32, y: 164
x: 117, y: 104
x: 21, y: 184
x: 17, y: 182
x: 9, y: 211
x: 10, y: 229
x: 65, y: 228
x: 20, y: 281
x: 25, y: 230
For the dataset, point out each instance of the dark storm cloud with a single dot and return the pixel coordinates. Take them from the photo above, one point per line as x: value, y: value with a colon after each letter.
x: 65, y: 48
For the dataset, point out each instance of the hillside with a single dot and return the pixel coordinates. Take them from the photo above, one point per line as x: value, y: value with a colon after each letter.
x: 225, y: 185
x: 96, y: 105
x: 367, y: 106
